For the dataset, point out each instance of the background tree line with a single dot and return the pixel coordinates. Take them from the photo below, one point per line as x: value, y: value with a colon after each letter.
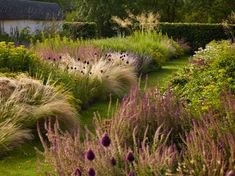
x: 101, y: 11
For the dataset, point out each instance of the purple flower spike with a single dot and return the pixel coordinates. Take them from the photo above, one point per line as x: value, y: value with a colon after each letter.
x: 113, y: 162
x: 90, y: 155
x: 131, y: 174
x: 130, y: 157
x: 106, y: 141
x: 78, y: 172
x: 91, y: 172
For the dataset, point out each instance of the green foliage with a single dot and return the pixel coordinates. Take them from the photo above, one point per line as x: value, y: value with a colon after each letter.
x: 77, y: 30
x: 211, y: 72
x: 196, y: 34
x: 201, y: 11
x: 149, y: 46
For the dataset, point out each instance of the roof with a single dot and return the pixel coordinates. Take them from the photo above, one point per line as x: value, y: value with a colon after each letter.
x: 33, y: 10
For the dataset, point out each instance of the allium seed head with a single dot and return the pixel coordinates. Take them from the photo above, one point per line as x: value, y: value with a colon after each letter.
x: 113, y: 161
x: 130, y: 157
x: 90, y: 155
x: 91, y: 172
x: 105, y: 141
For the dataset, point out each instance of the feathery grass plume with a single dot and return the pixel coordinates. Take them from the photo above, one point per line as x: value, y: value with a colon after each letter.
x: 124, y: 23
x: 12, y: 135
x: 117, y: 79
x: 23, y: 101
x: 146, y: 22
x: 210, y: 148
x: 65, y: 153
x: 147, y: 109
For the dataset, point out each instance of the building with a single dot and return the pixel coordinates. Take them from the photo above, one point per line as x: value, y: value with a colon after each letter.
x: 16, y: 15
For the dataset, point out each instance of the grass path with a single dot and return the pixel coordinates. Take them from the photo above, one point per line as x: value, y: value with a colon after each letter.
x: 22, y: 161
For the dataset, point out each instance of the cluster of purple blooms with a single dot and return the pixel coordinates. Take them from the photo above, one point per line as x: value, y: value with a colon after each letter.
x: 90, y: 155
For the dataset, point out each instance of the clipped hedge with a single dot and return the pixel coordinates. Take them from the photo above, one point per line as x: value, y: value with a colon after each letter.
x: 196, y: 34
x: 80, y: 29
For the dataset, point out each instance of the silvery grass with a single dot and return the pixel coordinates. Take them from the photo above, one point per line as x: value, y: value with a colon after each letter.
x: 24, y: 101
x: 104, y: 75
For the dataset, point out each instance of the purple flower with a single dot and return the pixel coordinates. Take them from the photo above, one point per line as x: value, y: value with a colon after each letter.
x: 130, y: 157
x: 113, y: 161
x: 91, y: 172
x: 131, y: 174
x: 78, y: 172
x: 105, y: 141
x: 90, y: 155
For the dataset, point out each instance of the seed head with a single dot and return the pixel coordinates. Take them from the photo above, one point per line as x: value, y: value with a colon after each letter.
x: 105, y: 141
x: 90, y: 155
x: 91, y: 172
x: 113, y: 161
x: 130, y: 157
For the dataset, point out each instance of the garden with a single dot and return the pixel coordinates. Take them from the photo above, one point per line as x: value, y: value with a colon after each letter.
x: 154, y: 98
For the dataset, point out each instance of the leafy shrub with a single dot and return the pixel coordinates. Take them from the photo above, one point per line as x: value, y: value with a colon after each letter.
x: 23, y: 101
x: 77, y: 30
x: 211, y: 72
x: 196, y: 34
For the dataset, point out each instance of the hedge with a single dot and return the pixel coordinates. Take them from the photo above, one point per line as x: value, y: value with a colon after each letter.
x: 80, y: 29
x: 196, y: 34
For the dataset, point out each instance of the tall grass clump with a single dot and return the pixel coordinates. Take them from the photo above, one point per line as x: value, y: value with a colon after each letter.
x: 150, y: 110
x: 153, y: 48
x: 23, y: 102
x: 70, y: 72
x: 210, y: 144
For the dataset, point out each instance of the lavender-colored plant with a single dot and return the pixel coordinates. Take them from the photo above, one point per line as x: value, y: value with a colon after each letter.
x: 65, y: 153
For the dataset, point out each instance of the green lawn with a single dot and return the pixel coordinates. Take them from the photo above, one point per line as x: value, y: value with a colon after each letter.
x: 22, y: 161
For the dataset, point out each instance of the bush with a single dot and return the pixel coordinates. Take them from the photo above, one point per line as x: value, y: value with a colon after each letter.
x: 78, y: 30
x: 196, y: 34
x: 23, y: 102
x: 211, y: 72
